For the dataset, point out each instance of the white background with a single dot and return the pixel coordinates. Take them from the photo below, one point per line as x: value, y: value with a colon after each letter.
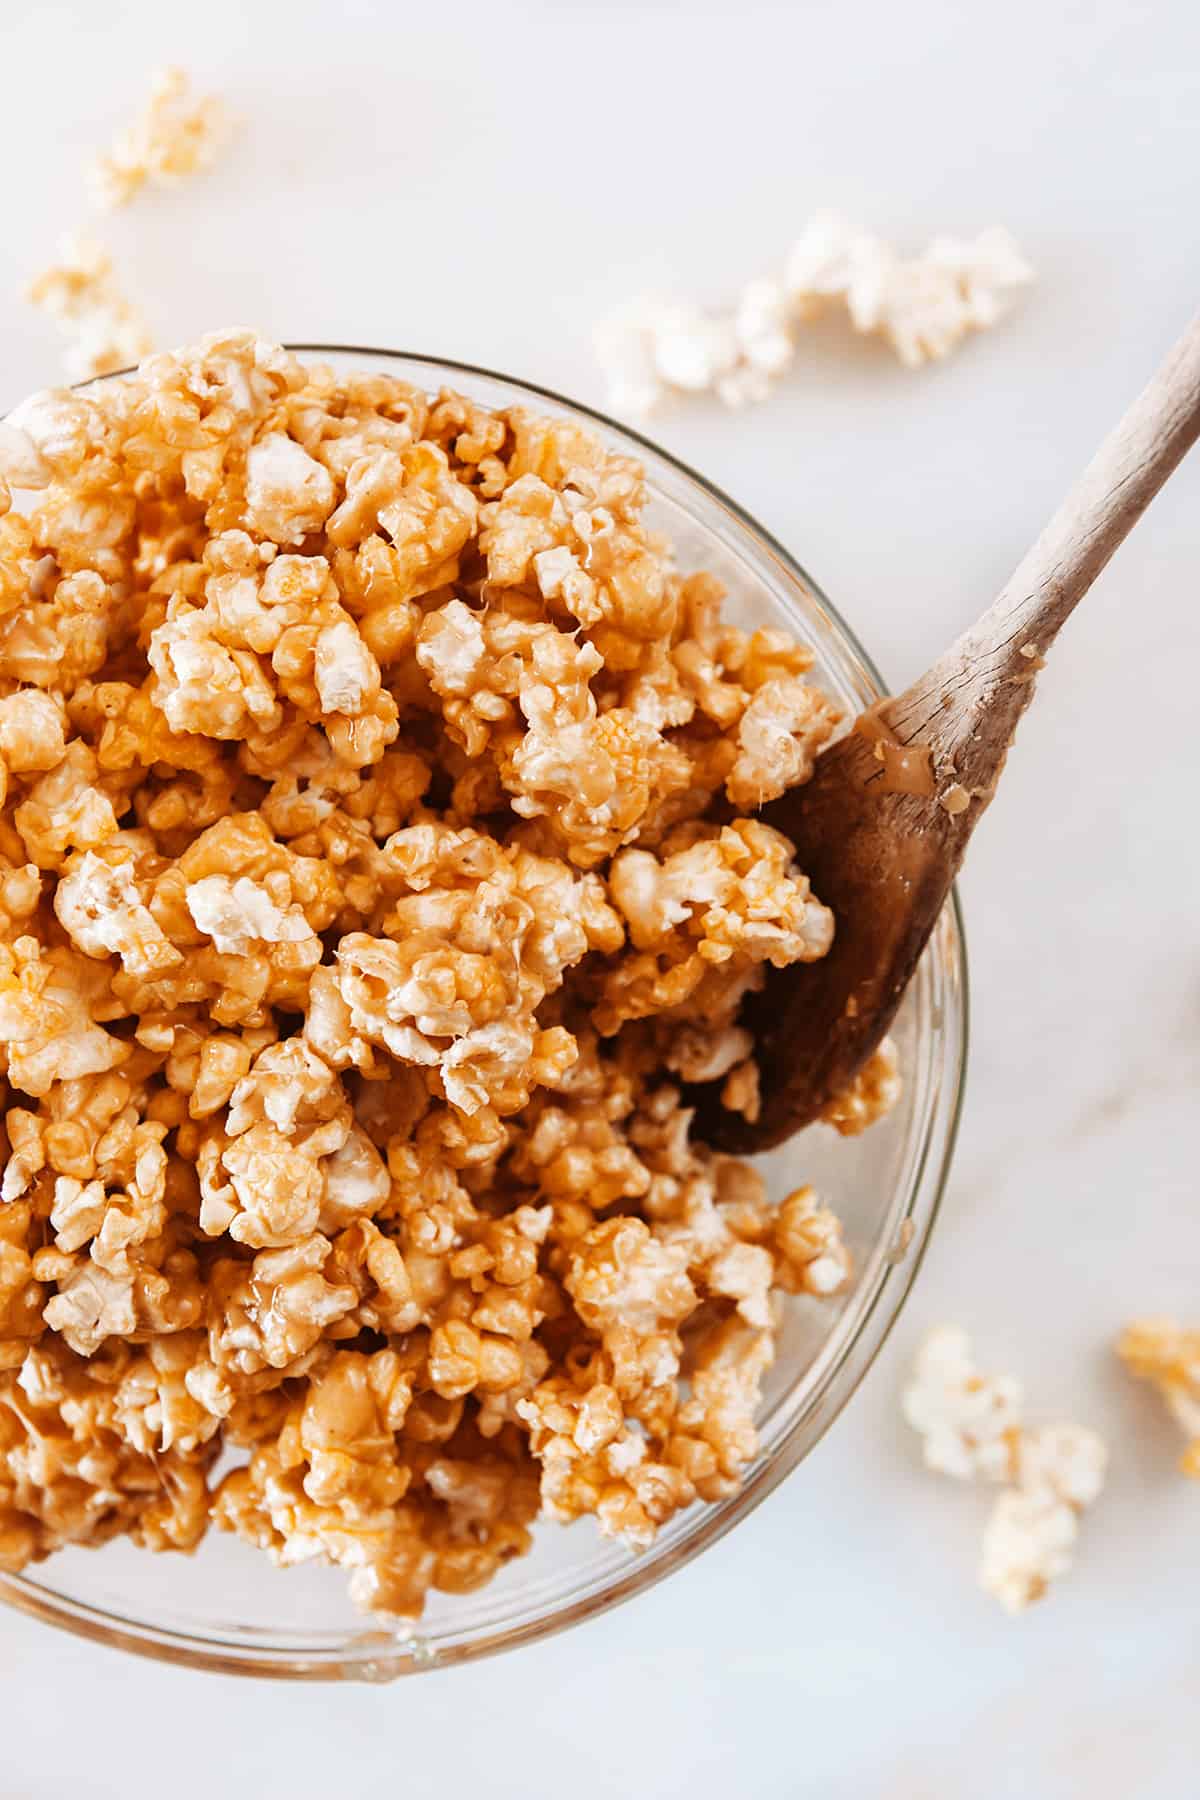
x: 483, y: 181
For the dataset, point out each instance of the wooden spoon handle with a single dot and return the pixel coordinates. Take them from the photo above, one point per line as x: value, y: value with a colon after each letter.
x: 966, y: 707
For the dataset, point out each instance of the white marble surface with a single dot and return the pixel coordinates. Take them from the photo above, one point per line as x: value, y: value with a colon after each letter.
x: 483, y: 180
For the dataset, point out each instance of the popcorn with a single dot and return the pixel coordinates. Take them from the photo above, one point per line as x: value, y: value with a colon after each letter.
x: 780, y: 734
x: 923, y: 306
x: 972, y: 1426
x: 100, y: 907
x: 359, y: 917
x: 1030, y: 1536
x: 288, y: 493
x: 46, y: 1027
x: 173, y: 138
x: 871, y: 1095
x: 704, y: 916
x: 1168, y: 1356
x: 237, y: 914
x: 69, y: 1474
x: 65, y: 809
x: 104, y: 330
x: 31, y: 731
x: 969, y: 1423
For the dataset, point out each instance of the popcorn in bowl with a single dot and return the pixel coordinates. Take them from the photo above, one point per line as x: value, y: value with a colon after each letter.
x: 375, y: 879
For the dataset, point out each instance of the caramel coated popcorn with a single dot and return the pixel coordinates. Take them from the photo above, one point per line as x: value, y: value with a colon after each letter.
x: 104, y: 330
x: 374, y: 878
x: 972, y: 1427
x: 1167, y: 1355
x: 174, y: 137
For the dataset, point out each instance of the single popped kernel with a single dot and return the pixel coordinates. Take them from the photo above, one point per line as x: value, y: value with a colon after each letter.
x: 174, y: 137
x: 104, y: 330
x: 236, y: 914
x: 288, y: 493
x: 969, y: 1423
x: 1167, y: 1355
x: 361, y: 915
x: 871, y: 1096
x: 1030, y: 1535
x: 100, y: 907
x: 1029, y: 1539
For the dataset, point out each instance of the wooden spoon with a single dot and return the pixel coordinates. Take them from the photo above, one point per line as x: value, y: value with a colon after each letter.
x: 882, y: 826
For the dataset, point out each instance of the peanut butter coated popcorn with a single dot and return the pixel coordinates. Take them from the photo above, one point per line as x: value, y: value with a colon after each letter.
x: 373, y: 881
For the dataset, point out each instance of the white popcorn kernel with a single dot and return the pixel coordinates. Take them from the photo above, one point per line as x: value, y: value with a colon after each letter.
x: 346, y: 673
x: 104, y: 330
x: 825, y: 259
x: 1030, y: 1537
x: 99, y: 906
x: 236, y: 914
x: 173, y: 138
x: 288, y: 493
x: 22, y: 464
x: 693, y: 350
x: 624, y: 347
x: 968, y: 1422
x: 1028, y: 1540
x: 762, y: 323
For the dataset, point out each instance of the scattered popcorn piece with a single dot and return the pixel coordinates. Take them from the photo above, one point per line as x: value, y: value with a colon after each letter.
x: 1029, y: 1539
x: 1030, y: 1535
x: 955, y: 799
x: 625, y: 349
x: 1168, y: 1356
x: 174, y: 137
x: 763, y: 326
x: 693, y: 351
x: 989, y: 270
x: 969, y: 1423
x: 923, y: 306
x: 825, y: 261
x: 657, y: 347
x: 971, y: 1426
x: 104, y: 331
x: 1068, y: 1460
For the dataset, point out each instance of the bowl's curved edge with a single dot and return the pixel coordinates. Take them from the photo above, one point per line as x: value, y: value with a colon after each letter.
x: 382, y: 1657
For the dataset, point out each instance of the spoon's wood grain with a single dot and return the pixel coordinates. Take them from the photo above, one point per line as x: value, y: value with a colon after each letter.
x: 884, y: 858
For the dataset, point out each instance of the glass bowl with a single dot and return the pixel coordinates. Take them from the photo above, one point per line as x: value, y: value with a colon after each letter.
x: 226, y: 1608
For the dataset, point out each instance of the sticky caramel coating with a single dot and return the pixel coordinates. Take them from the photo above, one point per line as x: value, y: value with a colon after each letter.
x: 362, y: 915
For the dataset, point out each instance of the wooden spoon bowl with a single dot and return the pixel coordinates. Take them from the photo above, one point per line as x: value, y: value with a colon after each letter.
x: 882, y: 827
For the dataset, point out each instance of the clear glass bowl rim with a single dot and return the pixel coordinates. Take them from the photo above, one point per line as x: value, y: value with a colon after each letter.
x: 381, y: 1656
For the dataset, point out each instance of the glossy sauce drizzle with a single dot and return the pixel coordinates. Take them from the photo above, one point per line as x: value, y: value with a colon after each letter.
x: 906, y: 768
